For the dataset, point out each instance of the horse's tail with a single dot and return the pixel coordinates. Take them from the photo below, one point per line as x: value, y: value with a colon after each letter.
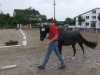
x: 89, y: 43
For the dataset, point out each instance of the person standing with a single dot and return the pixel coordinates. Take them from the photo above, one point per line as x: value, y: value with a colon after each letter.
x: 52, y: 46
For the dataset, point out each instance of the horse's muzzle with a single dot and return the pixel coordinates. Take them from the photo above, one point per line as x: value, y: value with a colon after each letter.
x: 41, y: 39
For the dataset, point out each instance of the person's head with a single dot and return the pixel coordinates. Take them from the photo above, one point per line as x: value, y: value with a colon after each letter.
x: 50, y: 21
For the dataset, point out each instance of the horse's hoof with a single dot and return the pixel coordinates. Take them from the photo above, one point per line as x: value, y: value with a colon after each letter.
x: 73, y: 58
x: 84, y: 56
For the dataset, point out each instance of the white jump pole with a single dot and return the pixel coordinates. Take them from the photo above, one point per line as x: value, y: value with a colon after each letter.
x: 18, y: 26
x: 30, y: 26
x: 8, y: 67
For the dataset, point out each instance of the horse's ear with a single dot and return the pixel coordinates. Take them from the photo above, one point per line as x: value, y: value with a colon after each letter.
x: 42, y: 29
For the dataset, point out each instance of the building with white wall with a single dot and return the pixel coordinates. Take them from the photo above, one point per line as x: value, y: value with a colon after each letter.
x: 91, y: 19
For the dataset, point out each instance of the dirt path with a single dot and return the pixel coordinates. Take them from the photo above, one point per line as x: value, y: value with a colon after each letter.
x: 27, y: 58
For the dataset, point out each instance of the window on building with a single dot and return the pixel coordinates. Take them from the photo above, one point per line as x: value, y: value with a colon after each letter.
x: 87, y: 24
x: 93, y: 17
x: 87, y: 17
x: 93, y: 11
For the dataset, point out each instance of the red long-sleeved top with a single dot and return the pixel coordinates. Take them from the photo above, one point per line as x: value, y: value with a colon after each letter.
x: 53, y: 32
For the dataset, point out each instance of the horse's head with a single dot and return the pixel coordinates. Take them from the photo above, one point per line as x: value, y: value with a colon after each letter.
x: 44, y: 29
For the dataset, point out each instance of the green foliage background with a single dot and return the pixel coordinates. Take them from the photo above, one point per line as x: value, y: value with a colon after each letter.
x: 22, y: 17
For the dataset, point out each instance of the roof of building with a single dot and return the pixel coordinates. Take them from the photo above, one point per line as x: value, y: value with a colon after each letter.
x: 88, y: 11
x: 26, y: 11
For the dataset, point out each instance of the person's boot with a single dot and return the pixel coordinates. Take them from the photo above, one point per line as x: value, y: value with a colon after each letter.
x: 40, y: 67
x: 62, y: 67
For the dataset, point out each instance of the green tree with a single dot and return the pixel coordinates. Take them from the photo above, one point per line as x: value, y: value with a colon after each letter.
x: 99, y: 16
x: 27, y: 16
x: 44, y: 18
x: 80, y: 19
x: 4, y: 20
x: 69, y: 21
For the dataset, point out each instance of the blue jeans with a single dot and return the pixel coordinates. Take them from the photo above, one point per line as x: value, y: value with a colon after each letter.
x: 53, y: 46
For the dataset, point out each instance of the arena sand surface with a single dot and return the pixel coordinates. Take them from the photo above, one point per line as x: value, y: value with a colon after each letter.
x: 27, y: 58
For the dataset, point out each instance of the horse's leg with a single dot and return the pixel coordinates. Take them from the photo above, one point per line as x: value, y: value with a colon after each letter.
x: 60, y: 48
x: 81, y: 45
x: 73, y: 46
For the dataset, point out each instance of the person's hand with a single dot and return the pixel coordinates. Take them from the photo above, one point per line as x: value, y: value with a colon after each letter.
x: 46, y: 37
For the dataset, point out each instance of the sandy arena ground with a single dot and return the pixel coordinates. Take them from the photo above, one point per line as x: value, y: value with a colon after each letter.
x: 27, y: 58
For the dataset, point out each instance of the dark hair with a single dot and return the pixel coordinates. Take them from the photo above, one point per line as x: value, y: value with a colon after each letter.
x: 50, y: 20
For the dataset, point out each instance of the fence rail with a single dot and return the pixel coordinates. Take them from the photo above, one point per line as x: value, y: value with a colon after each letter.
x: 93, y: 30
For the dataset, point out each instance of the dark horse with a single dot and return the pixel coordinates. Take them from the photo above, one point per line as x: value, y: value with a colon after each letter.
x: 68, y: 38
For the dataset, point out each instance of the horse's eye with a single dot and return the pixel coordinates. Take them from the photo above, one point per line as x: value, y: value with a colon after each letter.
x: 42, y: 29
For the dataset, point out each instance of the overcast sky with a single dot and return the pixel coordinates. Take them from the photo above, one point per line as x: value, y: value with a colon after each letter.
x: 64, y: 8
